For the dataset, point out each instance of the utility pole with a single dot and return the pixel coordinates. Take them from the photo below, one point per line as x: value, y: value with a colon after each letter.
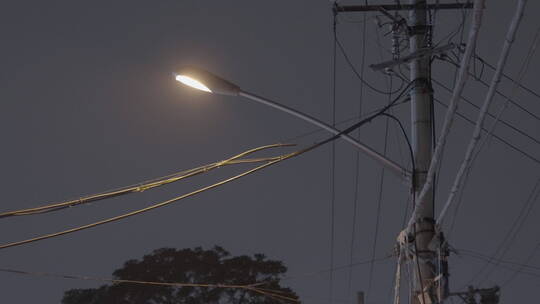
x: 424, y: 247
x: 422, y: 145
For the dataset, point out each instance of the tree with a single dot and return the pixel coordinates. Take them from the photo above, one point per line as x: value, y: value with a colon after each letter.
x: 214, y: 266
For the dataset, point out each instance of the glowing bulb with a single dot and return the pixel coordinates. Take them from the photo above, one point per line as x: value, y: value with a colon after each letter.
x: 192, y: 83
x: 205, y: 81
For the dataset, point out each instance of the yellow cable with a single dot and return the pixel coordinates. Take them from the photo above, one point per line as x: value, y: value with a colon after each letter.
x: 149, y: 185
x: 273, y: 295
x: 158, y: 205
x: 267, y: 292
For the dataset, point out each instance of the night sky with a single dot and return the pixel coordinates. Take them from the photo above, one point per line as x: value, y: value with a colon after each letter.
x: 89, y: 104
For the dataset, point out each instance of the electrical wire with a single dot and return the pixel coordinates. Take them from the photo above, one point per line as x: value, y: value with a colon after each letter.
x: 511, y: 268
x: 143, y: 186
x: 344, y: 53
x: 248, y: 287
x: 456, y: 210
x: 508, y: 240
x: 396, y: 50
x: 404, y: 132
x: 378, y: 215
x: 502, y: 140
x: 517, y: 225
x: 379, y: 204
x: 464, y: 14
x: 522, y: 266
x: 495, y: 136
x: 342, y: 267
x: 508, y: 77
x: 220, y: 183
x: 523, y: 70
x: 477, y: 132
x: 274, y: 295
x: 412, y: 189
x: 357, y: 162
x: 459, y: 29
x: 155, y: 206
x: 474, y: 105
x: 468, y: 101
x: 513, y: 102
x: 500, y: 261
x: 341, y: 122
x: 511, y: 234
x: 333, y: 163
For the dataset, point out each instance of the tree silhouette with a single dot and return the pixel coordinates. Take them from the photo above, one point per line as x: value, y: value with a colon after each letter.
x: 214, y: 266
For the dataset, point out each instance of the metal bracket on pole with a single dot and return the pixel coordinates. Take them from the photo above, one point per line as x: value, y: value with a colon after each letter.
x: 412, y: 56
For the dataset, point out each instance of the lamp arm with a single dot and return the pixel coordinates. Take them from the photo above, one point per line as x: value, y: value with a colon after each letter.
x: 383, y: 160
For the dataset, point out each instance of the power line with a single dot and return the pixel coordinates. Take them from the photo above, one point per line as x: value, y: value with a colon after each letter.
x: 398, y: 270
x: 523, y: 265
x: 486, y: 257
x: 143, y: 186
x: 468, y: 101
x: 511, y: 235
x: 521, y: 74
x: 464, y: 14
x: 379, y: 203
x: 456, y: 209
x: 515, y: 103
x: 381, y: 180
x: 534, y: 159
x: 508, y: 77
x: 517, y: 225
x: 341, y: 122
x: 477, y: 132
x: 378, y: 212
x: 333, y: 164
x: 459, y: 29
x: 342, y: 267
x: 220, y: 183
x: 523, y: 70
x: 394, y: 118
x: 512, y: 232
x: 496, y: 262
x: 412, y: 161
x: 357, y: 161
x: 360, y: 77
x: 155, y: 206
x: 152, y: 183
x: 249, y: 287
x: 470, y: 121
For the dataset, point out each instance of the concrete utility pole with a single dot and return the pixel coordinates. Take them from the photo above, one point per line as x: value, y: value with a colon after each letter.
x: 430, y: 284
x: 421, y: 141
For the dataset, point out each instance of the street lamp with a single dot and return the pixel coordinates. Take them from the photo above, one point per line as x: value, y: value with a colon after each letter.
x: 205, y: 81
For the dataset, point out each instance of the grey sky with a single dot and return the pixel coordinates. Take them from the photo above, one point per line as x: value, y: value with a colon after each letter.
x: 89, y: 104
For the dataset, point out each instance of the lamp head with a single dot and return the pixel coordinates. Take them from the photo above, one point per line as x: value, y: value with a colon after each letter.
x: 205, y: 81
